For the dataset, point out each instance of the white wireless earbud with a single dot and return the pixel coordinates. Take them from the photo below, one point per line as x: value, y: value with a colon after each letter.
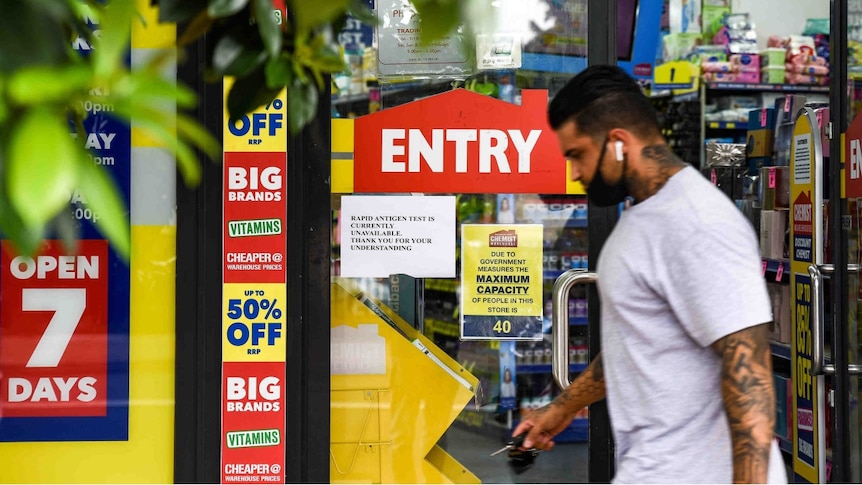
x: 618, y: 145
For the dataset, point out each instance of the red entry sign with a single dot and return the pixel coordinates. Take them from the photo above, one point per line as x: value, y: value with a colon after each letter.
x: 459, y: 141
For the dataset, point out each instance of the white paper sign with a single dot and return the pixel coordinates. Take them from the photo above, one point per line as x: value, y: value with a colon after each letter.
x: 498, y: 51
x: 802, y: 159
x: 400, y: 52
x: 385, y: 235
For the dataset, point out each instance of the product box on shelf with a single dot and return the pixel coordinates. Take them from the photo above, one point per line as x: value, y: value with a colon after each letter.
x: 787, y: 107
x: 775, y: 188
x: 725, y: 154
x: 772, y: 75
x: 773, y: 233
x: 751, y: 210
x: 760, y: 144
x: 751, y: 77
x: 756, y: 163
x: 729, y: 179
x: 761, y: 127
x: 761, y: 119
x: 779, y: 296
x: 773, y: 57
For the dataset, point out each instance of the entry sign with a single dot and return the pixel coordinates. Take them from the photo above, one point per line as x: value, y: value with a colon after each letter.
x: 460, y: 141
x: 501, y: 283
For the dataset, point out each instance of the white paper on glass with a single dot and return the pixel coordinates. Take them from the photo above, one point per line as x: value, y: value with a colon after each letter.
x: 385, y: 235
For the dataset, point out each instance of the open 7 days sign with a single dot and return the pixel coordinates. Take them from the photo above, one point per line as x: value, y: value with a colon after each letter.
x: 62, y: 377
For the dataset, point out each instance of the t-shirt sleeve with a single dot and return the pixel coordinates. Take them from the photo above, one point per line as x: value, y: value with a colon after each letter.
x: 714, y: 282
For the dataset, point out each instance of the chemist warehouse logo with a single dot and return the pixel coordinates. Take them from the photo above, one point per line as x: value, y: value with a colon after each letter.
x: 503, y: 239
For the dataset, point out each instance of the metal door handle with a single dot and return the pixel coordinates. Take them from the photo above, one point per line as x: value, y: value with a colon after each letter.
x: 818, y: 367
x: 560, y: 321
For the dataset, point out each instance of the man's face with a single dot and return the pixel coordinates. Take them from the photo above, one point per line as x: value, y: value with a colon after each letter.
x: 581, y: 152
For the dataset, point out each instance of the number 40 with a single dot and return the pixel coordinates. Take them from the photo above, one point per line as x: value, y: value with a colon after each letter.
x: 503, y: 326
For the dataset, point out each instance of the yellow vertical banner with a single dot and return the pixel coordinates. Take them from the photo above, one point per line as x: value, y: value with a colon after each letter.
x: 806, y: 161
x: 501, y: 282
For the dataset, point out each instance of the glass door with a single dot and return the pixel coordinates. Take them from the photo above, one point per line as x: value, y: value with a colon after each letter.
x: 469, y: 374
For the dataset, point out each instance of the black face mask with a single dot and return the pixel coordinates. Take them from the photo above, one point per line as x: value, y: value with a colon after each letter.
x: 600, y: 192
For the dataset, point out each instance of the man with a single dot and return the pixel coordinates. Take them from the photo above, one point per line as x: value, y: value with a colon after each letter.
x: 685, y: 362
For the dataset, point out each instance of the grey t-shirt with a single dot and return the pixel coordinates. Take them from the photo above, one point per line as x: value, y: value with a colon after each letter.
x: 680, y: 270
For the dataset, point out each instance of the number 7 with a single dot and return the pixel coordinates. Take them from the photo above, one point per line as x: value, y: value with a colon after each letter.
x: 68, y: 305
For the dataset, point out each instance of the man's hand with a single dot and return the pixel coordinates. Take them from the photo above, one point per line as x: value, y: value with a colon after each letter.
x: 542, y: 425
x: 546, y: 422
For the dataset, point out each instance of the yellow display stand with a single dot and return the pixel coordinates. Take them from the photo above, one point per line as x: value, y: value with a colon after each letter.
x: 393, y: 395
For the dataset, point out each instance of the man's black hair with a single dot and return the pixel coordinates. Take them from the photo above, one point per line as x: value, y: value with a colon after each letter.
x: 603, y: 97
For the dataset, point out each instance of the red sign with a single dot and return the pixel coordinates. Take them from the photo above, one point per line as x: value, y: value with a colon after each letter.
x: 459, y: 141
x: 803, y: 215
x: 255, y: 211
x: 253, y: 422
x: 54, y: 328
x: 853, y: 156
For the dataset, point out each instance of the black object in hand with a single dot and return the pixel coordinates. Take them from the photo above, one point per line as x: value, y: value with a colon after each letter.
x: 520, y: 460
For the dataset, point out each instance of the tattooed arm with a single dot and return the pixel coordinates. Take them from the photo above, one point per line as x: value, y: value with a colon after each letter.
x: 546, y: 422
x: 749, y: 400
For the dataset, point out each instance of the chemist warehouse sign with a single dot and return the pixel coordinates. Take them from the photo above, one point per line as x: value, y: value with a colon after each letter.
x: 459, y: 141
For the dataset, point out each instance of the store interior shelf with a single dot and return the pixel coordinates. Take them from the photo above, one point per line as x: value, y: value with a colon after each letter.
x: 552, y: 274
x: 784, y: 88
x: 726, y: 125
x: 777, y: 270
x: 571, y: 222
x: 546, y: 368
x: 780, y: 349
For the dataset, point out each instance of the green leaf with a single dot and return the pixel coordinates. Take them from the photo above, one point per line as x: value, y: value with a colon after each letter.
x: 189, y: 129
x: 151, y: 87
x: 29, y: 37
x: 438, y: 19
x: 4, y: 109
x: 48, y: 84
x: 112, y: 44
x: 249, y: 93
x: 157, y: 125
x: 279, y: 72
x: 225, y: 8
x: 360, y: 11
x: 41, y: 175
x: 103, y: 197
x: 301, y: 106
x: 329, y: 60
x: 270, y: 32
x: 199, y: 26
x: 25, y: 239
x: 235, y: 55
x: 311, y: 14
x: 179, y: 10
x: 66, y: 226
